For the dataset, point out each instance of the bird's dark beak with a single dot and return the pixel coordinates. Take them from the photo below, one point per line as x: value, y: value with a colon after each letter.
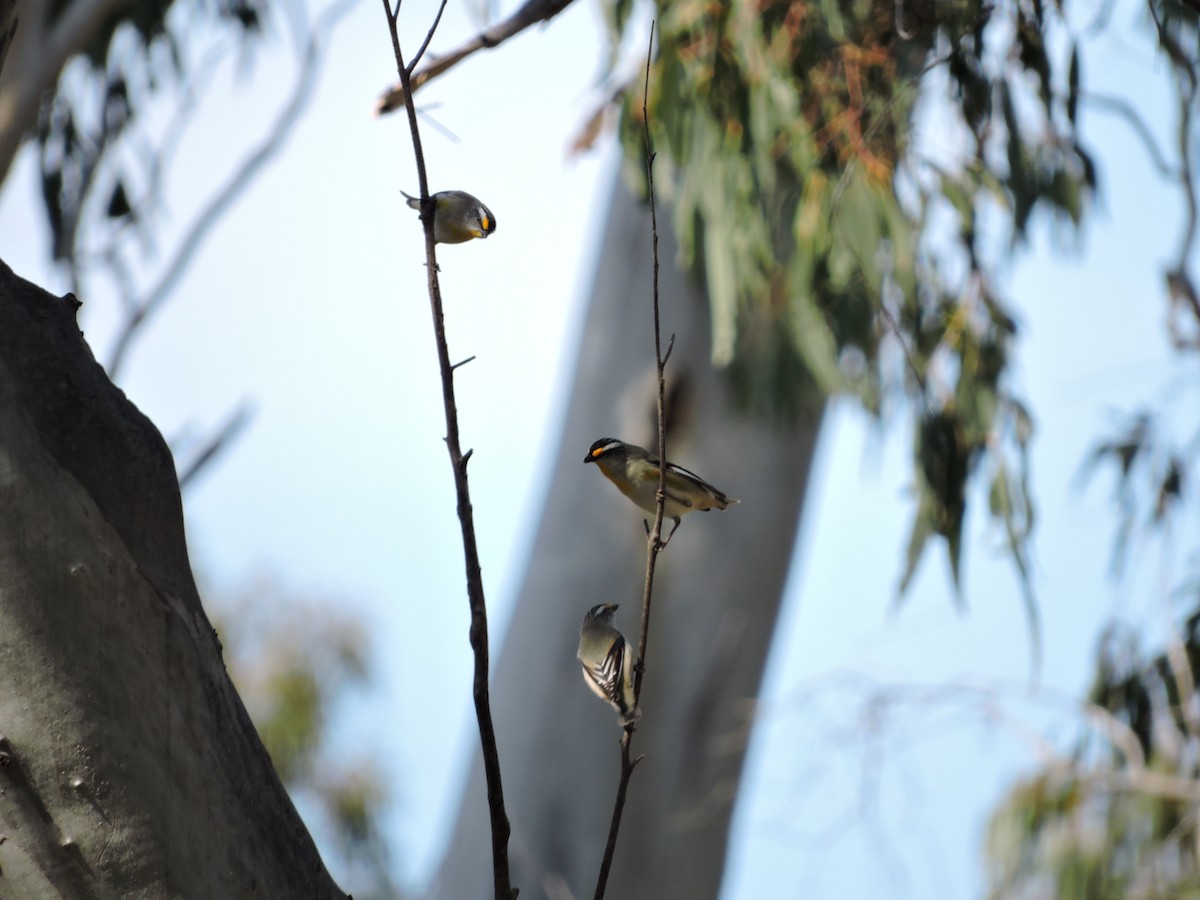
x: 589, y: 458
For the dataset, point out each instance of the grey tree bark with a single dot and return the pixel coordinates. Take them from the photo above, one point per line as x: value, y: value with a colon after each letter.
x: 717, y: 595
x: 128, y: 766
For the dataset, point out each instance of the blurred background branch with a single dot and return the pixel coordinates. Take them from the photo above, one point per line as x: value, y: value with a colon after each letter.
x: 530, y: 13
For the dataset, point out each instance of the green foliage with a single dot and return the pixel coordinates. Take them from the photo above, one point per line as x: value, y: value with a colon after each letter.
x: 1151, y: 471
x: 831, y: 247
x: 1096, y: 825
x: 295, y: 662
x: 127, y: 61
x: 1119, y: 817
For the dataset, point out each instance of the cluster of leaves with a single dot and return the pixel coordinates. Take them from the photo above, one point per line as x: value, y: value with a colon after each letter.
x: 1151, y: 471
x: 88, y: 114
x: 1095, y: 827
x: 1099, y: 827
x: 831, y: 246
x: 1119, y: 820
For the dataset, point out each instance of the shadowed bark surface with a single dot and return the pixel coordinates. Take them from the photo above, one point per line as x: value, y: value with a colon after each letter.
x: 717, y: 593
x: 133, y: 768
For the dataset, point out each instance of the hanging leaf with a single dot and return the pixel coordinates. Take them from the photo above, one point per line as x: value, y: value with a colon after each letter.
x: 1073, y: 85
x: 118, y: 203
x: 785, y: 125
x: 1170, y: 489
x: 922, y: 528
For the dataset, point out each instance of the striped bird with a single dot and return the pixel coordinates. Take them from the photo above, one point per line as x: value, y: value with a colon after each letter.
x: 607, y: 661
x: 635, y: 473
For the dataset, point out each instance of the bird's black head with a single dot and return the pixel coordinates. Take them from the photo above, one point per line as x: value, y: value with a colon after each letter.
x: 601, y: 611
x: 486, y: 220
x: 601, y: 448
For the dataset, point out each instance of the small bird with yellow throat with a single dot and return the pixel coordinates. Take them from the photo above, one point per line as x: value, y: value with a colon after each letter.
x: 607, y: 661
x: 634, y: 470
x: 457, y: 216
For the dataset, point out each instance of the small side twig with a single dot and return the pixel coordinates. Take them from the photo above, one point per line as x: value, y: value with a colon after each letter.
x: 428, y: 37
x: 1123, y: 109
x: 218, y: 443
x: 458, y: 461
x: 654, y: 543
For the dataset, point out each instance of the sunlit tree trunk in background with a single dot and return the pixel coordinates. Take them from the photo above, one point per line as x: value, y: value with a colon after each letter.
x: 717, y: 595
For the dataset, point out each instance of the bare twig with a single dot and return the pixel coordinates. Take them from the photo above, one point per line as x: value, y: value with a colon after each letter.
x: 1131, y: 773
x: 532, y: 12
x: 218, y: 443
x: 155, y: 158
x: 654, y: 544
x: 458, y: 462
x: 428, y: 37
x: 1121, y: 107
x: 1188, y: 89
x: 183, y: 111
x: 233, y: 189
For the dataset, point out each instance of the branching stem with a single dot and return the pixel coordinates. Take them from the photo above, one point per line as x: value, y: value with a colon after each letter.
x: 466, y: 518
x: 654, y: 543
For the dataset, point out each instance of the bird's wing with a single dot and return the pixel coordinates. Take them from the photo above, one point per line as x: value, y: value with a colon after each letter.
x: 689, y: 475
x: 607, y: 679
x: 649, y: 475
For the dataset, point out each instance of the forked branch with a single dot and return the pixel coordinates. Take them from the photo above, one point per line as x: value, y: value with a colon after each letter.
x: 532, y: 12
x: 458, y: 462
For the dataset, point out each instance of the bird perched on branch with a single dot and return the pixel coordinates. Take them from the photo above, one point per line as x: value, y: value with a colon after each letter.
x: 607, y: 661
x: 635, y: 473
x: 457, y: 216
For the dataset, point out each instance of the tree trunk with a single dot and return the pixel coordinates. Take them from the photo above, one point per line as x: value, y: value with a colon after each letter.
x: 717, y: 593
x: 128, y: 765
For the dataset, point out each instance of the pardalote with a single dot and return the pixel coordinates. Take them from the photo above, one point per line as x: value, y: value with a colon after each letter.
x: 457, y: 216
x: 635, y: 473
x: 607, y: 661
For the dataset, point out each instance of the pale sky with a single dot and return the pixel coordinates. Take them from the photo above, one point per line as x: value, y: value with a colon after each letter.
x: 309, y: 301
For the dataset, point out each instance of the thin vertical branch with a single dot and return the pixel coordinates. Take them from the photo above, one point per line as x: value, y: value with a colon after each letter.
x: 466, y: 518
x: 654, y: 543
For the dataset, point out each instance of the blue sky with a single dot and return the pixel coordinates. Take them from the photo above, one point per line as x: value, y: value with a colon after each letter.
x: 309, y: 301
